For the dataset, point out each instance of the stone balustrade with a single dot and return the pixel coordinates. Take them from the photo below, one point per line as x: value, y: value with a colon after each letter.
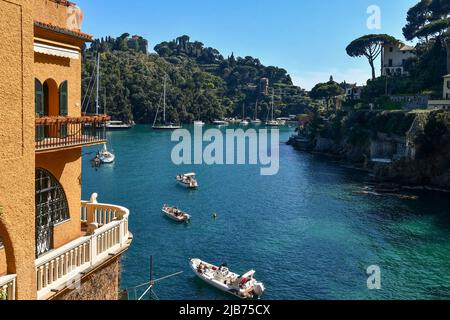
x: 107, y: 234
x: 8, y: 287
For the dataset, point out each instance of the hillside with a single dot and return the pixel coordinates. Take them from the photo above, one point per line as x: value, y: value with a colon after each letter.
x: 202, y: 84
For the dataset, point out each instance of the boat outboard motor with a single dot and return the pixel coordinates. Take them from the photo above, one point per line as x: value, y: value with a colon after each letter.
x: 259, y: 289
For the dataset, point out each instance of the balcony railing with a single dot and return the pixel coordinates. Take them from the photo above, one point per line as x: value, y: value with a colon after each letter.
x: 65, y: 132
x: 64, y: 267
x: 8, y: 287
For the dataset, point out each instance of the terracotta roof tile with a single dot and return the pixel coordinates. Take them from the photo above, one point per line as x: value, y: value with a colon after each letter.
x: 77, y: 34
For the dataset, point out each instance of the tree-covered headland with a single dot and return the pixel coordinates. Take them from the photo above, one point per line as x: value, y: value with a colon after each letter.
x: 201, y: 82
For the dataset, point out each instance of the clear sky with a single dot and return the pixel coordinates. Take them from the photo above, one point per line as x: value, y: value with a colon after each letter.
x: 306, y: 37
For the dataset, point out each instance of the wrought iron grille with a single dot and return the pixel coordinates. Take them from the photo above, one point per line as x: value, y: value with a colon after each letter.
x: 51, y: 208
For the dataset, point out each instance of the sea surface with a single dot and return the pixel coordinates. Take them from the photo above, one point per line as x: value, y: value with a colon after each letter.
x: 310, y: 232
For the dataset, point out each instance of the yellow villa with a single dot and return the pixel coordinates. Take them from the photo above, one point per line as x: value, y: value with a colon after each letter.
x: 52, y: 244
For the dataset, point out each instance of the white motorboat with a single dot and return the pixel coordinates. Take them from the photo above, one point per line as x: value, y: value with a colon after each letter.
x: 106, y: 156
x: 272, y: 123
x: 220, y: 123
x: 176, y: 214
x: 188, y: 180
x: 118, y: 125
x: 244, y: 123
x: 243, y: 287
x: 199, y: 123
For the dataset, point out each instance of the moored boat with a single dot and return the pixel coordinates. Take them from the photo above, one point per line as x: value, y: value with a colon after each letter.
x: 243, y: 287
x: 188, y: 180
x: 165, y: 125
x: 106, y: 156
x: 221, y: 123
x: 175, y: 214
x: 118, y: 125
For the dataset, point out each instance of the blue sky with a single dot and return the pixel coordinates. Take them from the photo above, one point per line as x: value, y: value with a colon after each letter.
x: 306, y: 37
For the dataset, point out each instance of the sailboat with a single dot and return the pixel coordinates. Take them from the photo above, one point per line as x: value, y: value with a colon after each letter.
x: 244, y: 122
x: 199, y: 122
x: 165, y: 125
x: 272, y: 122
x: 103, y: 155
x: 256, y: 121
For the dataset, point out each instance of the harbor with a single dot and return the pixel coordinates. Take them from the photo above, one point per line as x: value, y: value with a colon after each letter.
x: 309, y: 232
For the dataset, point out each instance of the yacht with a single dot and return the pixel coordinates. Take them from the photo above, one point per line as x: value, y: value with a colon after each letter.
x: 244, y: 121
x: 272, y: 122
x: 256, y: 121
x: 106, y: 156
x: 164, y: 125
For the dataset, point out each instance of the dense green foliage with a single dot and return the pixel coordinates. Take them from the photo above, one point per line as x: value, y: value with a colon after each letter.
x: 202, y: 84
x: 327, y: 91
x: 370, y: 46
x: 435, y: 139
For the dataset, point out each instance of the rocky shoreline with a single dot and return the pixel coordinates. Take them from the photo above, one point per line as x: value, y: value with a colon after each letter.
x: 389, y: 177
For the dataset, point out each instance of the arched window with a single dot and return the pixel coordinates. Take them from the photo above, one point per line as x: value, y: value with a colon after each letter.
x: 51, y: 208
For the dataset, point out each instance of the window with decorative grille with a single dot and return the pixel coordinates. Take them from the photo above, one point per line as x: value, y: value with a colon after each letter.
x: 51, y: 209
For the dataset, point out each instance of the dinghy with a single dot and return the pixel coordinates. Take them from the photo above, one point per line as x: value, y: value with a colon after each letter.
x: 243, y: 287
x: 188, y: 180
x: 176, y: 214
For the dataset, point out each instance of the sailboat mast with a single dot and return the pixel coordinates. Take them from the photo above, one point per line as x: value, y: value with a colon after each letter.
x: 98, y: 85
x: 273, y: 101
x: 164, y: 114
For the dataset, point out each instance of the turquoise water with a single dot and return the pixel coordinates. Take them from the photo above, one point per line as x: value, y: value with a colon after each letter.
x: 308, y: 231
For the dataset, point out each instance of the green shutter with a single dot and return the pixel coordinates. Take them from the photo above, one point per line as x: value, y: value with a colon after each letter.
x: 63, y: 107
x: 38, y: 98
x: 39, y: 108
x: 63, y: 100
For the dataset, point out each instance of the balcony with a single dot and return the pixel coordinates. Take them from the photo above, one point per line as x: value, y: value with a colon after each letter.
x: 106, y: 236
x: 56, y: 133
x: 8, y: 287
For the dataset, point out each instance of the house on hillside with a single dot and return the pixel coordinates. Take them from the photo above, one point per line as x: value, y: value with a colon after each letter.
x: 394, y: 57
x: 443, y: 104
x: 353, y: 91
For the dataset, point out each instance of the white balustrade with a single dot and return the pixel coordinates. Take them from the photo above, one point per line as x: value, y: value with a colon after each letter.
x: 62, y: 267
x: 8, y: 287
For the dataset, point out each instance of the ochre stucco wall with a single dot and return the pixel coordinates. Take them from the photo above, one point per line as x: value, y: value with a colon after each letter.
x: 60, y: 70
x: 17, y: 143
x: 66, y: 167
x: 49, y: 11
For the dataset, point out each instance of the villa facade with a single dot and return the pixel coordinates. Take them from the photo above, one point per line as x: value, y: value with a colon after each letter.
x: 443, y: 104
x: 393, y: 59
x: 53, y: 245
